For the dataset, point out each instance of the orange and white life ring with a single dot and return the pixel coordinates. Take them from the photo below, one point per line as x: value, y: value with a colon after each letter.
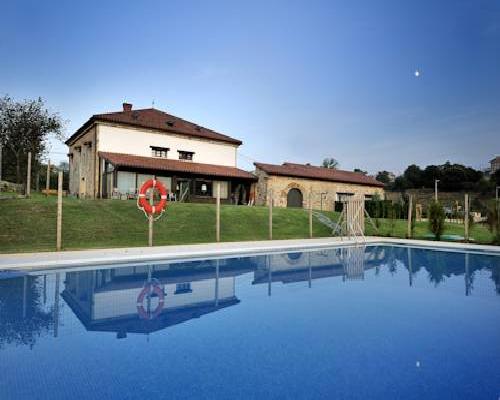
x: 143, y: 202
x: 148, y: 290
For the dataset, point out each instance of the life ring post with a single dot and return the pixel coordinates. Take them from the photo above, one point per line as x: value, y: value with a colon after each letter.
x: 145, y: 202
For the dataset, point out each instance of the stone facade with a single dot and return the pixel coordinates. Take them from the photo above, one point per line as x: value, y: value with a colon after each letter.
x: 84, y: 165
x: 323, y: 193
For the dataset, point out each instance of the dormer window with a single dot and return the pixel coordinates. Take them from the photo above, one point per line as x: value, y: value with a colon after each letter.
x: 185, y: 155
x: 159, y: 151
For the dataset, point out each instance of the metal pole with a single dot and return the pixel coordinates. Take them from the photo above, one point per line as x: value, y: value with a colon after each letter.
x: 47, y: 183
x: 310, y: 215
x: 217, y: 216
x: 410, y: 210
x: 270, y: 195
x: 59, y: 211
x: 466, y: 218
x: 0, y: 161
x: 436, y: 190
x: 28, y: 176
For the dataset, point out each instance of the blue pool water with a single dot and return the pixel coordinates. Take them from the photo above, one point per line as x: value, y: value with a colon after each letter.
x: 354, y: 323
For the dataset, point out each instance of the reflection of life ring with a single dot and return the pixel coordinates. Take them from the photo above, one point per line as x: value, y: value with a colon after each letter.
x: 143, y: 202
x: 149, y: 290
x: 292, y: 258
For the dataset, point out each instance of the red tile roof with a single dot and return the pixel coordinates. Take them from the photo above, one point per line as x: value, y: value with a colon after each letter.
x: 164, y: 164
x: 152, y: 118
x: 318, y: 173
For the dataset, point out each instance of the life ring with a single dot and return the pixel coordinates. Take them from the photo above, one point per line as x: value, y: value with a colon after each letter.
x: 144, y: 204
x: 147, y: 290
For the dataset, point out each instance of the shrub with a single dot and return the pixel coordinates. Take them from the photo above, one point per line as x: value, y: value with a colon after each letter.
x: 493, y: 220
x: 436, y: 219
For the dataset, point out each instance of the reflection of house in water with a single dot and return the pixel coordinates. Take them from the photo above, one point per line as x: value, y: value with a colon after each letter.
x: 107, y: 299
x: 346, y: 262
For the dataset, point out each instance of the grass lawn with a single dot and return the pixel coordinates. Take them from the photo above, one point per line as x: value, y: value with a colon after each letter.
x: 30, y: 225
x: 478, y: 233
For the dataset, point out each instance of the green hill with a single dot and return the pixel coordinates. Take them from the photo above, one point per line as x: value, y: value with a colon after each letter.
x: 30, y: 225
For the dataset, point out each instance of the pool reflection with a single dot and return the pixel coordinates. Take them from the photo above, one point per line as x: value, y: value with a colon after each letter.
x: 142, y: 299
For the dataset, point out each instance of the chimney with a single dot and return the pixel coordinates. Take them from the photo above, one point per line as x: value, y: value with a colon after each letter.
x: 127, y: 107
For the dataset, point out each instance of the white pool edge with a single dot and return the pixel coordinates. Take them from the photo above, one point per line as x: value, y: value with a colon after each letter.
x: 92, y: 258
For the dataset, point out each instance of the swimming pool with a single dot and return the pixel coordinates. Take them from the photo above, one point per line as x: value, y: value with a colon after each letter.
x: 374, y: 322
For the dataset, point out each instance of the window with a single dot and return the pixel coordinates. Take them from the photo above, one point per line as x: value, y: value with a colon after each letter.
x: 203, y: 188
x: 159, y: 151
x: 223, y: 189
x: 183, y: 288
x: 344, y: 196
x: 185, y: 155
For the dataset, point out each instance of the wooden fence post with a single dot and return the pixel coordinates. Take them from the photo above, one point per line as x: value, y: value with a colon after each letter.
x: 151, y: 219
x: 310, y: 215
x: 466, y: 218
x: 59, y: 211
x: 217, y: 215
x: 270, y: 199
x: 410, y: 211
x: 28, y: 176
x: 47, y: 183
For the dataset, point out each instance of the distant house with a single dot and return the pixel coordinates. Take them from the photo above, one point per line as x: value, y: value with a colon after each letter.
x: 291, y: 184
x: 495, y: 165
x: 115, y: 153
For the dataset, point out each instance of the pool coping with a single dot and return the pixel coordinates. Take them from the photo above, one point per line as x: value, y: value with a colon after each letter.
x: 91, y: 258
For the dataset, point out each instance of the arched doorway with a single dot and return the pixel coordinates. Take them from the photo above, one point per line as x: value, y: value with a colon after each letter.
x: 294, y: 198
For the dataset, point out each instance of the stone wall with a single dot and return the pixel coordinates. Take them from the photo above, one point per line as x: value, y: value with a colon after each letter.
x: 82, y: 165
x: 323, y: 193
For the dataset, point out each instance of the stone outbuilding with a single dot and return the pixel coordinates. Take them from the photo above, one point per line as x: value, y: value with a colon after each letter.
x: 291, y: 185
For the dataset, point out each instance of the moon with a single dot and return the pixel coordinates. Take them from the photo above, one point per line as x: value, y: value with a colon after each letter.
x: 417, y: 73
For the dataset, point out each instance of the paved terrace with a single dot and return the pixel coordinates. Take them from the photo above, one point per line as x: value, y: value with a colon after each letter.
x: 91, y: 258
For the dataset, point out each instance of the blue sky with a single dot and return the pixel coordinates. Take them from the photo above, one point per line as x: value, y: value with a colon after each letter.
x: 295, y: 80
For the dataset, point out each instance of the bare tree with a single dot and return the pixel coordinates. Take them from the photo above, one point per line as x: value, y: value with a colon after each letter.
x: 24, y: 127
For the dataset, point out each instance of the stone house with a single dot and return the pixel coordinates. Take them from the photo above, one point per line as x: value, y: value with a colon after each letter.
x: 115, y: 153
x: 291, y: 184
x: 495, y: 165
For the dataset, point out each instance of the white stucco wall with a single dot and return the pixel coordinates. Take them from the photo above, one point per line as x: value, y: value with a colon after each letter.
x: 117, y: 303
x: 134, y: 141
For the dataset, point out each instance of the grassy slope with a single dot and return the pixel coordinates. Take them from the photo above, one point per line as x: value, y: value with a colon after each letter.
x: 29, y: 225
x: 478, y: 232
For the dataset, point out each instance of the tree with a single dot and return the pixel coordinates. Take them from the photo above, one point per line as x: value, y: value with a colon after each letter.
x: 495, y: 178
x: 330, y: 163
x: 360, y: 171
x: 414, y: 176
x: 493, y: 219
x: 24, y: 127
x: 436, y: 219
x: 384, y: 177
